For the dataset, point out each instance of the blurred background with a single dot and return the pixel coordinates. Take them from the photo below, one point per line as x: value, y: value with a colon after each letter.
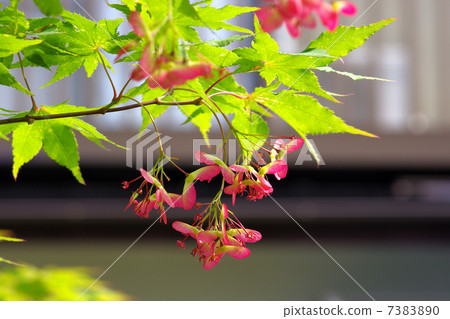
x: 380, y: 207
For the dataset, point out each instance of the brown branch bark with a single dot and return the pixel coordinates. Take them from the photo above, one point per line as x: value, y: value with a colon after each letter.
x: 29, y: 118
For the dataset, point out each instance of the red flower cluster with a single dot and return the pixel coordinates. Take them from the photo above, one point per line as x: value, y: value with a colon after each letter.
x: 241, y: 177
x: 298, y: 13
x: 214, y: 243
x: 164, y: 71
x: 223, y: 235
x: 152, y: 201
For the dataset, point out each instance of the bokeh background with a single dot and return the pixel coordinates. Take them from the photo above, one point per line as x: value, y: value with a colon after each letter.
x: 379, y: 207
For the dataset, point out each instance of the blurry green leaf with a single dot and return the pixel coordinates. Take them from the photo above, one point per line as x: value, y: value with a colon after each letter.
x: 214, y: 18
x: 3, y: 136
x: 13, y: 21
x: 8, y: 79
x: 184, y: 18
x: 219, y: 56
x: 14, y: 3
x: 10, y: 44
x: 7, y: 61
x: 120, y: 7
x: 49, y: 7
x: 7, y: 112
x: 137, y: 90
x: 53, y: 284
x: 131, y: 4
x: 9, y: 262
x: 2, y: 238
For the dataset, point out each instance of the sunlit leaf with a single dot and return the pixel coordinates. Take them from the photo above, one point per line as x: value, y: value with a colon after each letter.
x: 10, y: 44
x: 60, y: 145
x: 8, y: 79
x: 26, y: 144
x: 49, y: 7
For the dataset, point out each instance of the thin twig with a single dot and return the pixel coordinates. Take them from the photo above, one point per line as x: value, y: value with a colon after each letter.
x: 33, y: 102
x: 107, y: 74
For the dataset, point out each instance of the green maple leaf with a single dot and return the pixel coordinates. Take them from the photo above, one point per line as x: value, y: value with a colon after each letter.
x: 76, y: 44
x: 303, y: 80
x: 120, y: 7
x: 200, y: 116
x: 186, y: 16
x: 255, y: 129
x: 49, y: 7
x: 344, y: 40
x: 183, y: 14
x: 13, y: 21
x: 304, y: 113
x: 60, y: 145
x: 87, y: 130
x: 26, y: 144
x: 8, y: 79
x: 214, y: 18
x: 90, y: 64
x: 10, y: 44
x: 219, y: 56
x: 54, y: 136
x: 66, y: 68
x: 57, y: 140
x: 291, y: 69
x: 294, y: 70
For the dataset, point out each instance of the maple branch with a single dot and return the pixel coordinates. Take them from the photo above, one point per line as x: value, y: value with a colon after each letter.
x: 34, y: 107
x: 29, y: 118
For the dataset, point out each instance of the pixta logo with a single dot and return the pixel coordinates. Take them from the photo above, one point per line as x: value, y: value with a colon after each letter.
x: 305, y: 154
x: 144, y: 148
